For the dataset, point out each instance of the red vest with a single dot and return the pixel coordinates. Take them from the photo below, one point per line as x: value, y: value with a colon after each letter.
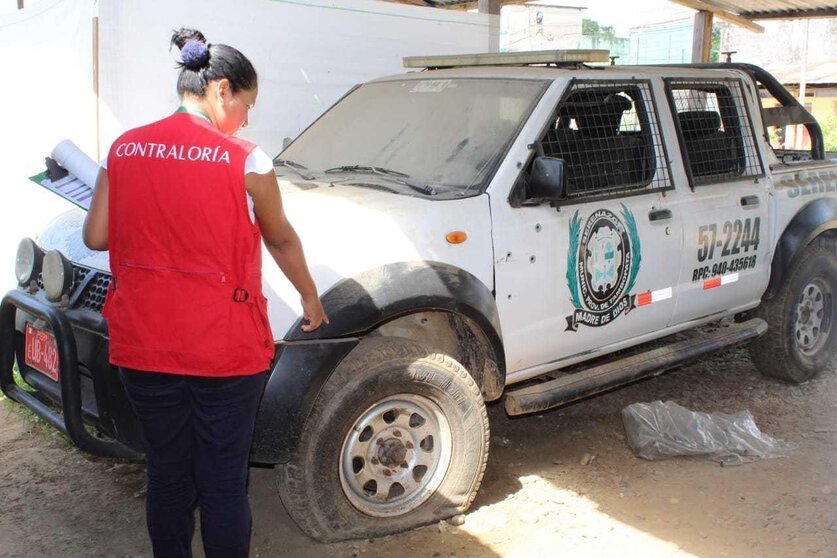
x: 186, y: 294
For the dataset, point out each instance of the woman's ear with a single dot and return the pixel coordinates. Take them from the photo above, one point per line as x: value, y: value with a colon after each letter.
x: 224, y: 90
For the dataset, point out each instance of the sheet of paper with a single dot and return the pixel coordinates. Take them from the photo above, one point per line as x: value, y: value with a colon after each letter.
x: 77, y: 186
x: 70, y: 188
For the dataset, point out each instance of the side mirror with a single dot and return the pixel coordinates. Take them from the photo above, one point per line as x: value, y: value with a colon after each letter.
x: 546, y: 181
x: 286, y: 142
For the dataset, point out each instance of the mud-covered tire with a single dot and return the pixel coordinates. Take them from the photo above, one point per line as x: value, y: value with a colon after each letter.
x: 397, y: 376
x: 802, y: 333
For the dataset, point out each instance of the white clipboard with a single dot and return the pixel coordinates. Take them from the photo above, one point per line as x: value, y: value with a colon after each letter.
x: 78, y: 184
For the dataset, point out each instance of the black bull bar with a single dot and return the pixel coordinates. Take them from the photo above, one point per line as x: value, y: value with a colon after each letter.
x: 70, y: 421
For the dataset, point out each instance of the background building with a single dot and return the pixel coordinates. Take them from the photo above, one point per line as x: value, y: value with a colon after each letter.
x: 540, y: 27
x: 664, y: 42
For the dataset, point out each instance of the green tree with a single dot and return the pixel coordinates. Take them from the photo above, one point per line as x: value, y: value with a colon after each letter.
x: 829, y: 132
x: 589, y: 27
x: 715, y: 46
x: 595, y: 29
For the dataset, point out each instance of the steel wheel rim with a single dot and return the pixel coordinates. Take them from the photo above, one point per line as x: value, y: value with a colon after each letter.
x: 401, y: 441
x: 812, y: 323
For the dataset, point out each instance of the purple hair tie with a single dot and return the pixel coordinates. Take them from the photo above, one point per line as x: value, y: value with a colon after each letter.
x: 194, y: 54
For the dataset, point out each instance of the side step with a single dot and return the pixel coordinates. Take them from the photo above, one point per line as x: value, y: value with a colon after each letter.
x: 554, y: 393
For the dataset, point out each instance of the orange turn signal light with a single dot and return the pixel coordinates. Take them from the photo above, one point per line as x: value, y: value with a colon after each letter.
x: 456, y: 237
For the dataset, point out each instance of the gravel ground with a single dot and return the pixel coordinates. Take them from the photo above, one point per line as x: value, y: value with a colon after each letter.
x: 561, y: 483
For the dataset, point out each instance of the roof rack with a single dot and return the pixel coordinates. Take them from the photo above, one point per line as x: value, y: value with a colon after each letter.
x: 571, y: 58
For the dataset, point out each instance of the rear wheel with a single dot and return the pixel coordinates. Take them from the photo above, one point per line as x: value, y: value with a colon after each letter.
x: 801, y: 336
x: 397, y: 438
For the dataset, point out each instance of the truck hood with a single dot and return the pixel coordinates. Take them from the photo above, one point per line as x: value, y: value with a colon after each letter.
x: 345, y: 230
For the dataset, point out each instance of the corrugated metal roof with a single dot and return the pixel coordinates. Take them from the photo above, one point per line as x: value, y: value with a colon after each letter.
x: 758, y: 9
x: 750, y: 9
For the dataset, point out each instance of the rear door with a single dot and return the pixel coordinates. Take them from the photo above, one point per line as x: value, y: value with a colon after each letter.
x: 722, y: 193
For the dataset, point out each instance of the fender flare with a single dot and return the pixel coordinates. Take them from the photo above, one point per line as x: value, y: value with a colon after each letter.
x: 812, y: 220
x: 355, y: 307
x: 358, y: 305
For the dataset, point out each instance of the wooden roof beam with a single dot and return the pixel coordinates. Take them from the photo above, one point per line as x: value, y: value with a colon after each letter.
x: 703, y: 5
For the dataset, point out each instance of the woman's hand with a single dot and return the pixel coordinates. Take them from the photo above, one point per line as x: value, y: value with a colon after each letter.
x: 312, y: 310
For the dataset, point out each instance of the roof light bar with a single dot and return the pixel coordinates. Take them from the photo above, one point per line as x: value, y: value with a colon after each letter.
x: 563, y: 57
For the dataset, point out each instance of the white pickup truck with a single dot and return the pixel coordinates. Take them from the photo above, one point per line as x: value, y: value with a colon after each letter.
x: 516, y: 226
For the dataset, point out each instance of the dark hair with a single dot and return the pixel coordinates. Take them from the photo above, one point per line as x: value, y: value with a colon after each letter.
x: 203, y: 63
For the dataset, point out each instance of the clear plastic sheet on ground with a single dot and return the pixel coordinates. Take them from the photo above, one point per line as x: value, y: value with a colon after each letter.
x: 664, y: 429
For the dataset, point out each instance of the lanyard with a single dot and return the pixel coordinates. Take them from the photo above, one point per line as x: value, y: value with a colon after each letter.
x: 183, y: 108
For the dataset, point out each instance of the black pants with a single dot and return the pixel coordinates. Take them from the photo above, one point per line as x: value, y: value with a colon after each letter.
x: 197, y: 434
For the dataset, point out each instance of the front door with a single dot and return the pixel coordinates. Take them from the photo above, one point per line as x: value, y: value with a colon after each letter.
x: 599, y: 267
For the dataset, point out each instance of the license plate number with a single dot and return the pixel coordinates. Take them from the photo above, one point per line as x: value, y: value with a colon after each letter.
x: 41, y: 352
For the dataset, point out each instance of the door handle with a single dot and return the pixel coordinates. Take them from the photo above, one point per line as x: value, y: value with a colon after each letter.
x: 750, y: 201
x: 659, y: 214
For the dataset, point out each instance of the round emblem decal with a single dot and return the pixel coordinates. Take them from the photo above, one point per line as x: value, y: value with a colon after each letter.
x: 602, y: 264
x: 605, y: 261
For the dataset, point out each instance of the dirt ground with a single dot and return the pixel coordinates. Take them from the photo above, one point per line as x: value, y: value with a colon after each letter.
x: 560, y: 484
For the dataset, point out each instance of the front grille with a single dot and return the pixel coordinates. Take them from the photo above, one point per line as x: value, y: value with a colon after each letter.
x: 93, y: 296
x: 79, y: 275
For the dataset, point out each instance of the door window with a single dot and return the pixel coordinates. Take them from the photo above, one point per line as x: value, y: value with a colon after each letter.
x: 715, y: 130
x: 607, y: 134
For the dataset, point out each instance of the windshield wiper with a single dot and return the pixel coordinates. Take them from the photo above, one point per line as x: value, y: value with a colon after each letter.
x: 421, y: 187
x: 301, y: 170
x: 395, y: 176
x: 367, y: 168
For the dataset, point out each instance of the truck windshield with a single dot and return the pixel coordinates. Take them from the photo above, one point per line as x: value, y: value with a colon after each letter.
x: 444, y: 136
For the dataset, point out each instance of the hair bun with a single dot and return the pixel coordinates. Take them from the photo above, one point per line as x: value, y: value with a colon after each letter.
x: 195, y: 55
x: 183, y: 35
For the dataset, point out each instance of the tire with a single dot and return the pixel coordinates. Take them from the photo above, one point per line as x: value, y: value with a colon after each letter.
x: 802, y: 334
x: 389, y: 406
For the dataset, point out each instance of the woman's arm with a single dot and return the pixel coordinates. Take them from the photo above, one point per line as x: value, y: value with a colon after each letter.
x: 283, y: 244
x: 95, y: 232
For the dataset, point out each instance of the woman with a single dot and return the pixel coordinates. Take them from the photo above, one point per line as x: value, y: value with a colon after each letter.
x: 182, y: 205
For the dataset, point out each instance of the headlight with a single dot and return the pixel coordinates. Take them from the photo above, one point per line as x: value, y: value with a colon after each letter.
x: 28, y: 261
x: 58, y: 275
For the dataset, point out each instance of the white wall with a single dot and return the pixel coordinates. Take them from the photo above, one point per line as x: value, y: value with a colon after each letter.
x: 307, y: 52
x: 47, y: 95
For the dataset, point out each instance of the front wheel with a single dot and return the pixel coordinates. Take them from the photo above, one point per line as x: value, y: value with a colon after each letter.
x: 801, y: 336
x: 397, y: 438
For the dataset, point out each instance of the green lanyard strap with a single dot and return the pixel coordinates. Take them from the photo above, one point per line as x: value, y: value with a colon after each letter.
x: 183, y: 108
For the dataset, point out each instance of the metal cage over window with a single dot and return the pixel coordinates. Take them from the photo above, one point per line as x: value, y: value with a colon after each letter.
x: 715, y: 130
x: 608, y: 135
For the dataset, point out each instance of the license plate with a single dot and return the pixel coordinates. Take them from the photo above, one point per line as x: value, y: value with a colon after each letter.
x: 41, y: 352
